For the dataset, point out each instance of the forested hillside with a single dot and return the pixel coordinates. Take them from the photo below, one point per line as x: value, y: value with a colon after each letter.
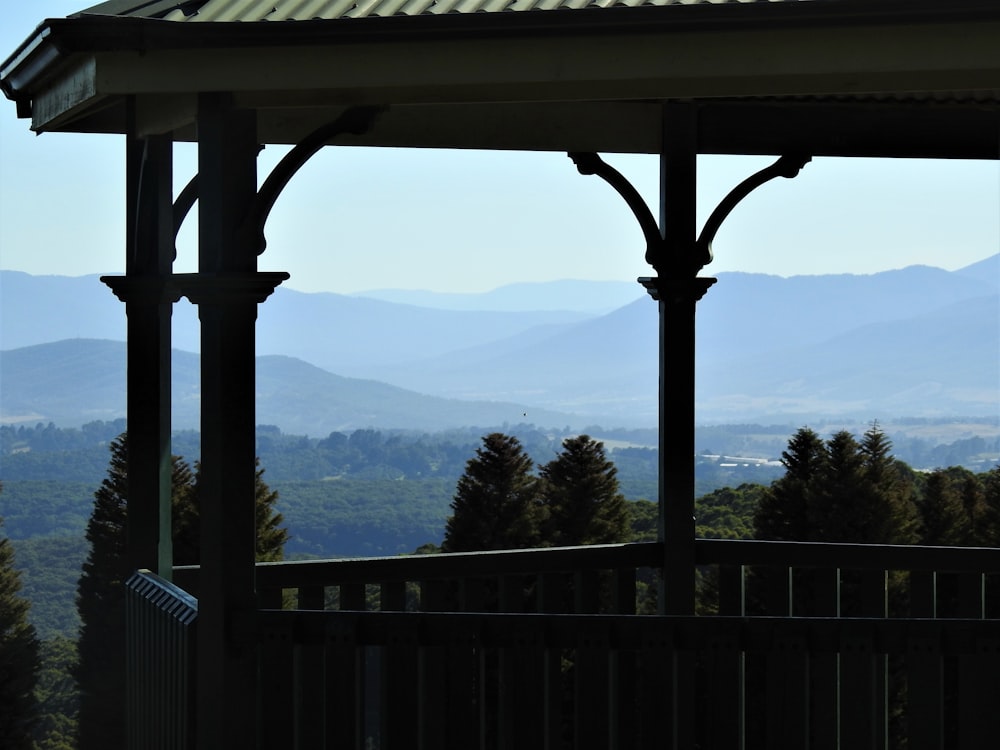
x: 374, y: 492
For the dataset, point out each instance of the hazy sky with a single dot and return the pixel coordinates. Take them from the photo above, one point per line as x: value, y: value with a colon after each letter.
x: 356, y: 219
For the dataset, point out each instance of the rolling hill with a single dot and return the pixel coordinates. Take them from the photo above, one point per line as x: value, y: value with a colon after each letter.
x: 917, y: 342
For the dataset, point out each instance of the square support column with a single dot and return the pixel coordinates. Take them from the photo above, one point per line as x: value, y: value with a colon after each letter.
x: 677, y: 290
x: 227, y: 290
x: 147, y: 293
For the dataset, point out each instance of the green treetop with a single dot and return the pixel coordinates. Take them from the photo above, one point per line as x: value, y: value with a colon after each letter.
x: 495, y: 503
x: 19, y: 658
x: 581, y: 498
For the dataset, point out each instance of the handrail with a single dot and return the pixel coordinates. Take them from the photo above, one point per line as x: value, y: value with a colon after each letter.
x: 848, y: 556
x: 615, y: 556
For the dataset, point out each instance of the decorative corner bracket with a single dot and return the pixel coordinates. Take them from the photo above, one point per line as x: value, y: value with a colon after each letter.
x: 590, y: 163
x: 787, y: 166
x: 656, y: 251
x: 354, y: 121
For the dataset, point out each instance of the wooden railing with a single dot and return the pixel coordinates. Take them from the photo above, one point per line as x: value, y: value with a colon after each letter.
x: 807, y: 646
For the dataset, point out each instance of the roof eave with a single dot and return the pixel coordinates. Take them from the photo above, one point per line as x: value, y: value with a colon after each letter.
x: 55, y: 38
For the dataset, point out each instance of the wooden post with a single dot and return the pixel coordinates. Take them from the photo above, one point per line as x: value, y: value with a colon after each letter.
x: 227, y: 290
x: 148, y: 297
x: 677, y: 290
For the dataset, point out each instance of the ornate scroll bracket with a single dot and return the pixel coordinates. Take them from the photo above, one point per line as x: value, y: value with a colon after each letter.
x: 354, y: 121
x: 656, y: 248
x: 787, y: 166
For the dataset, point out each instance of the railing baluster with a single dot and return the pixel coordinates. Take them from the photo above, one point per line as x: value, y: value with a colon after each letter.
x: 312, y: 597
x: 924, y: 694
x: 393, y: 596
x: 859, y: 690
x: 400, y: 718
x: 551, y: 594
x: 586, y: 592
x: 351, y: 597
x: 472, y: 595
x: 591, y: 701
x: 777, y: 582
x: 873, y: 602
x: 656, y: 712
x: 824, y: 668
x: 978, y: 692
x: 623, y: 591
x: 923, y: 593
x: 732, y: 590
x: 432, y: 688
x: 278, y: 683
x: 344, y: 673
x: 787, y: 694
x: 270, y: 598
x: 971, y: 596
x: 521, y: 710
x: 720, y: 688
x: 624, y: 676
x: 310, y: 692
x: 460, y: 687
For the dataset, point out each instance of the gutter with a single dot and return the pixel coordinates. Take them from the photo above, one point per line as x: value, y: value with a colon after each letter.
x: 57, y: 39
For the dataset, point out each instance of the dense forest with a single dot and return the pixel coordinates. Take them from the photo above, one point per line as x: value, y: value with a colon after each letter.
x: 372, y: 492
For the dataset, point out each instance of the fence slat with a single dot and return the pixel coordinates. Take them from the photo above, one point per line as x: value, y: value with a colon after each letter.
x: 924, y: 694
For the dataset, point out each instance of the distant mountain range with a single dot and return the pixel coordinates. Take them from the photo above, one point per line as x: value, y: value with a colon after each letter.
x: 918, y: 341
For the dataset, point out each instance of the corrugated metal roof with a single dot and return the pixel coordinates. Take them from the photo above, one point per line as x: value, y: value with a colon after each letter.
x: 306, y: 10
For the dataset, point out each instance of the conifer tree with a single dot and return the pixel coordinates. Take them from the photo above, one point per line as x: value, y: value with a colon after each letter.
x: 943, y: 517
x: 19, y: 658
x: 495, y: 504
x: 839, y: 491
x: 100, y: 669
x: 989, y: 526
x: 889, y: 502
x: 581, y: 497
x: 783, y: 511
x: 271, y: 537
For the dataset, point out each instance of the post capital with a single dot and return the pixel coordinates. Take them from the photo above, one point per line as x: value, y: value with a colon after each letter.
x: 150, y: 290
x: 676, y: 290
x: 229, y: 288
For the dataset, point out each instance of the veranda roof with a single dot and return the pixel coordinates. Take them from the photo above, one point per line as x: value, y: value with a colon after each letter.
x: 824, y: 77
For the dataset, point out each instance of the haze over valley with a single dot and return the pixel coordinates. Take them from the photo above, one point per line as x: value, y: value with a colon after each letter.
x: 916, y: 342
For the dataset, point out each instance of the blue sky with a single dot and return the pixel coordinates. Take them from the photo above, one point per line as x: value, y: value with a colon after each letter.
x: 357, y: 219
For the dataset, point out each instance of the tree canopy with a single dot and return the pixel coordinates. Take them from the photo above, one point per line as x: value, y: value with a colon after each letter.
x: 495, y: 504
x: 19, y: 658
x: 580, y: 496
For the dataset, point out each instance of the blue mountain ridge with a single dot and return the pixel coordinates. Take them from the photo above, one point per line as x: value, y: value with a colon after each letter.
x: 913, y: 342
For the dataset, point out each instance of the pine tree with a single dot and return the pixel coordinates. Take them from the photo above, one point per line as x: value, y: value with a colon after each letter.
x: 943, y: 516
x: 581, y: 497
x: 839, y: 491
x: 890, y: 498
x: 989, y: 525
x: 271, y: 537
x: 19, y: 658
x: 783, y: 511
x: 100, y: 670
x: 495, y: 504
